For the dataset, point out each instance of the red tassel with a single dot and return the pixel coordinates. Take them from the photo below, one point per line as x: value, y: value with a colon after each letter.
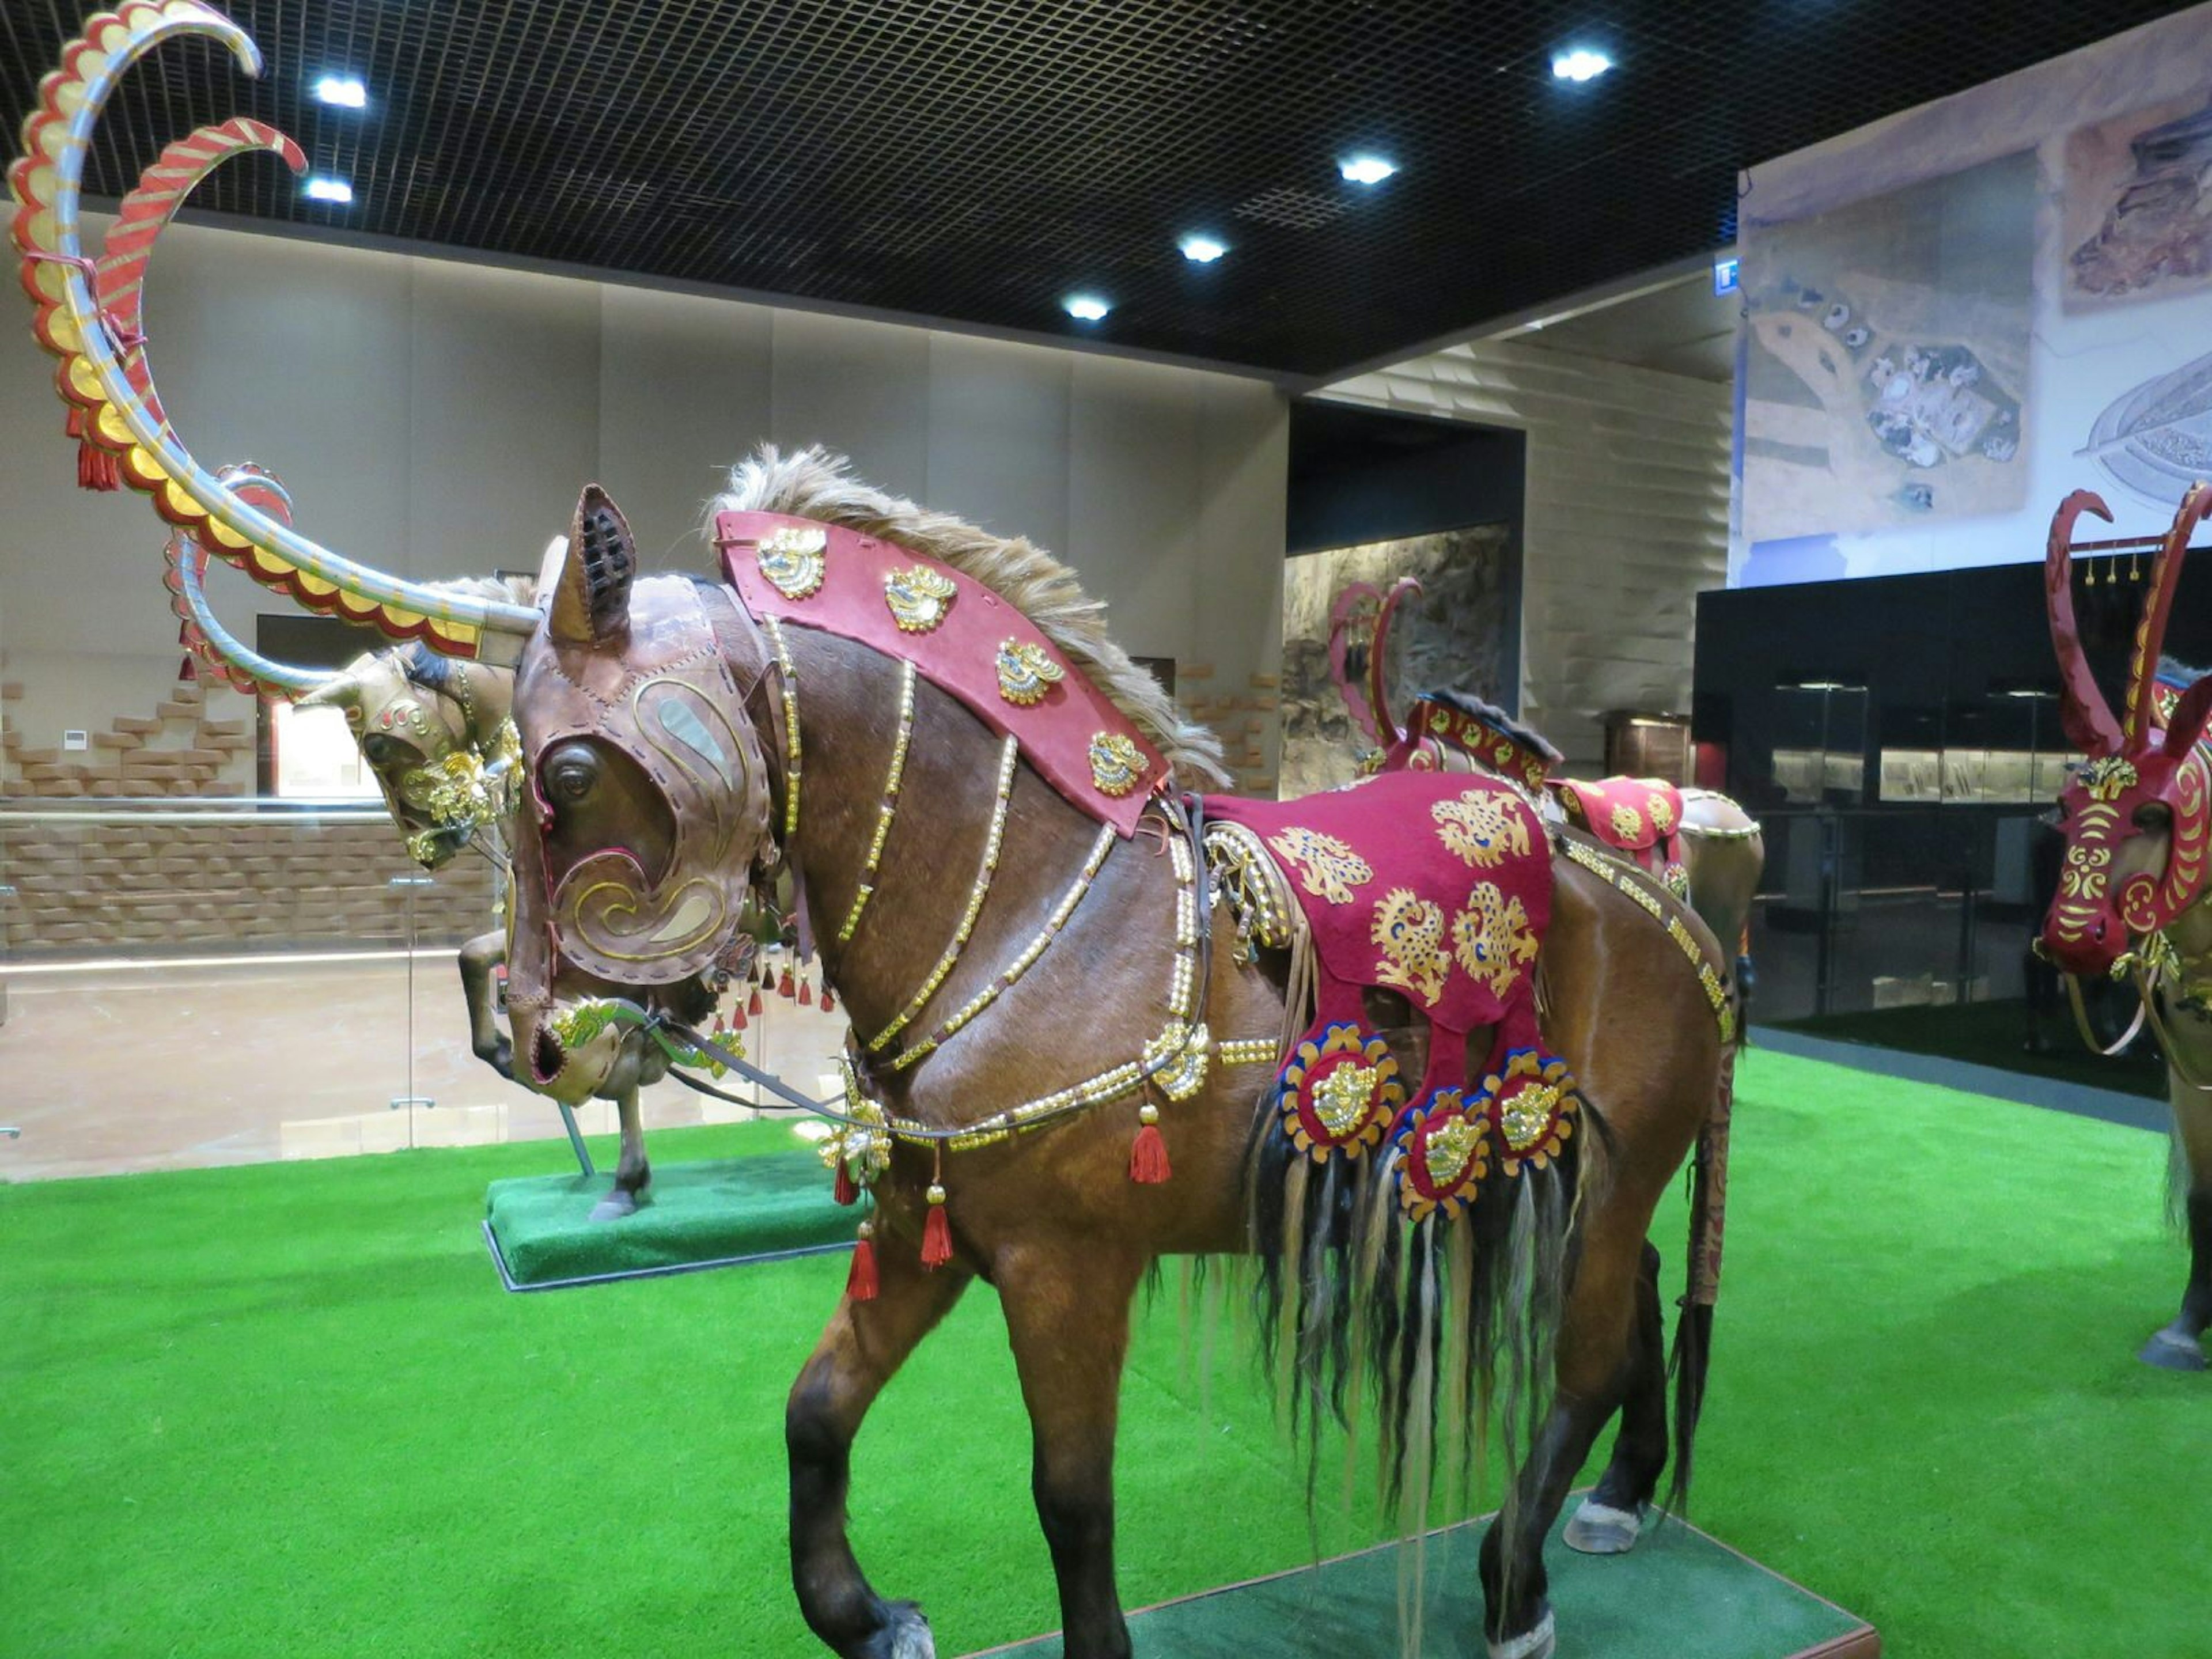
x: 806, y: 994
x: 96, y: 468
x: 847, y: 1191
x: 860, y: 1284
x: 828, y: 1006
x: 788, y: 987
x: 737, y: 1019
x: 753, y: 1007
x: 937, y: 1231
x: 1148, y: 1157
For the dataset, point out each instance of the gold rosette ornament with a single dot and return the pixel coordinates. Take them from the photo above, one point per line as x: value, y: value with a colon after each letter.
x: 1340, y: 1093
x: 1117, y: 765
x: 795, y: 560
x: 1532, y: 1108
x: 1444, y: 1158
x: 1026, y: 672
x: 919, y: 598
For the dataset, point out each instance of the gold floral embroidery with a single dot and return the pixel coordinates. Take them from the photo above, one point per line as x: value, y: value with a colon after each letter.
x: 1492, y: 939
x: 1662, y: 814
x: 919, y: 598
x: 1627, y: 821
x: 1410, y: 931
x: 1482, y: 827
x: 1116, y: 763
x: 1327, y: 867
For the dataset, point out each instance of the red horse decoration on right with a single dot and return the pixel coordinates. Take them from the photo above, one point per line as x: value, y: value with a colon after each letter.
x: 2137, y: 815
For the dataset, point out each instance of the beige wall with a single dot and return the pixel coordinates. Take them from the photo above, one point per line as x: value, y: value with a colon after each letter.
x: 438, y: 418
x: 1625, y: 520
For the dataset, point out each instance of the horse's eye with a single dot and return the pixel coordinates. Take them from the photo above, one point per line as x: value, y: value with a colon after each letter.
x: 573, y: 781
x: 381, y: 750
x: 2154, y: 816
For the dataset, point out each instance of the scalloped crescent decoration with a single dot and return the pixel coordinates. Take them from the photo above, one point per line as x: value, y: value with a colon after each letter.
x: 1026, y: 672
x: 45, y: 229
x: 1117, y: 766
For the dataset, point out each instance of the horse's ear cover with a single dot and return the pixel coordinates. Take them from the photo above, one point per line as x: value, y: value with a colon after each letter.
x: 591, y: 597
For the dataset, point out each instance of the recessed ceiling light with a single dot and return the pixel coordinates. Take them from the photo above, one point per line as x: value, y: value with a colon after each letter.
x: 320, y: 189
x: 1580, y: 65
x: 1086, y: 308
x: 345, y: 91
x: 1366, y: 169
x: 1202, y: 250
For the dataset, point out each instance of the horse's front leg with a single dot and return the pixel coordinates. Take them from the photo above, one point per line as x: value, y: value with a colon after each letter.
x: 866, y: 1343
x: 2180, y: 1346
x: 1068, y: 1317
x: 632, y: 1173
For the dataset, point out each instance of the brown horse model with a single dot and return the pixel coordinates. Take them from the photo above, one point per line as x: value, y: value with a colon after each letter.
x: 1048, y: 1028
x: 1051, y: 1217
x: 2132, y: 898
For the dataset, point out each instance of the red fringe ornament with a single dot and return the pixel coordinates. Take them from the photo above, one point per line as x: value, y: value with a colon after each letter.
x: 860, y: 1284
x: 1148, y: 1159
x: 828, y: 1006
x: 805, y: 993
x: 95, y: 468
x: 738, y: 1018
x: 846, y: 1193
x: 788, y: 988
x: 937, y: 1231
x: 753, y: 1007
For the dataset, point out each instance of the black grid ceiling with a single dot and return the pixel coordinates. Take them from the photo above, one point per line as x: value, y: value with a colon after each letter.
x: 979, y: 159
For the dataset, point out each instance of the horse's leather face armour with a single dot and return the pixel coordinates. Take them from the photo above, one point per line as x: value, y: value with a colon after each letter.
x: 634, y: 869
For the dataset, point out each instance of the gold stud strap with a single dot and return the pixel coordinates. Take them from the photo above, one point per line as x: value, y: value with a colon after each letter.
x: 886, y: 808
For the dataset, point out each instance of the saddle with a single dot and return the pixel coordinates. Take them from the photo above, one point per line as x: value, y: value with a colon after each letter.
x: 1435, y: 886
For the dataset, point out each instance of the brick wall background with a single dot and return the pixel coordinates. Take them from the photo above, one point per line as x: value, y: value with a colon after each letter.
x: 93, y: 876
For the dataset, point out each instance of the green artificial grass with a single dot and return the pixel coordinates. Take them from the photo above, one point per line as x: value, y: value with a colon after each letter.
x: 1678, y: 1593
x: 716, y: 1212
x: 285, y: 1410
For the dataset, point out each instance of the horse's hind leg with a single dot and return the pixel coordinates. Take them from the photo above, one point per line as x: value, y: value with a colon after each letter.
x: 866, y: 1343
x: 1593, y: 1351
x: 2180, y: 1346
x: 1612, y: 1517
x: 1068, y: 1314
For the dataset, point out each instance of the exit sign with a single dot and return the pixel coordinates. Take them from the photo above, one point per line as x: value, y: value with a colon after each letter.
x: 1726, y: 276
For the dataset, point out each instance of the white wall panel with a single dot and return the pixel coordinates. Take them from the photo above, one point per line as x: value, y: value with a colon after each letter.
x: 684, y: 391
x: 999, y: 416
x: 860, y: 388
x: 503, y: 428
x: 1133, y: 500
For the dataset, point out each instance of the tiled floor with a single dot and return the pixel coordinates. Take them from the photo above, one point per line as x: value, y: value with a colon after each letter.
x: 139, y: 1069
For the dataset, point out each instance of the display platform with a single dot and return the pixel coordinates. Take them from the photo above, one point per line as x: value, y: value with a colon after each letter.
x: 714, y: 1214
x: 1679, y: 1592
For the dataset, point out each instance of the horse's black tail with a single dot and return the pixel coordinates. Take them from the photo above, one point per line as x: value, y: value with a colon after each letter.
x: 1691, y: 1359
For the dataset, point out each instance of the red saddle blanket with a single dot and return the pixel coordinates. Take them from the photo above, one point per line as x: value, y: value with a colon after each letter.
x: 1438, y: 885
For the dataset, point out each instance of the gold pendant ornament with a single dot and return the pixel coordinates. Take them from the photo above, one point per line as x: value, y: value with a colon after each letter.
x: 1116, y: 765
x: 1026, y: 672
x: 919, y: 598
x: 793, y: 561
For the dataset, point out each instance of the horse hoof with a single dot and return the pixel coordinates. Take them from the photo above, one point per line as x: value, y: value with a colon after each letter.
x: 909, y: 1633
x: 2170, y: 1350
x: 1541, y: 1643
x: 614, y: 1205
x: 1601, y: 1529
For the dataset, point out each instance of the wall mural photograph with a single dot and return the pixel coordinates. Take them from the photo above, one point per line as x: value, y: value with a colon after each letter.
x: 1886, y: 366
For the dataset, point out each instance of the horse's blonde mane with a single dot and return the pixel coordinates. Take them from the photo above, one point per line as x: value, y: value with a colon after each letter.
x: 813, y: 484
